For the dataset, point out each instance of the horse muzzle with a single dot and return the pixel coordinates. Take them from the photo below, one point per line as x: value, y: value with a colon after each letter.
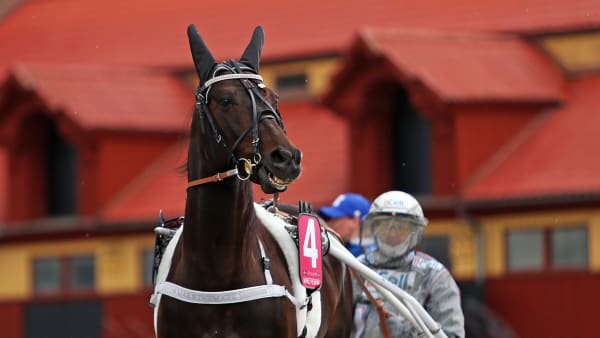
x: 278, y: 170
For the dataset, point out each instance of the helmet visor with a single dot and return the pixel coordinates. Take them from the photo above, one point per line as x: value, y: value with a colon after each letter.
x: 392, y: 230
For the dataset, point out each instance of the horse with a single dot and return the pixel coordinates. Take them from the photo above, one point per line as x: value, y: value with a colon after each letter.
x: 237, y: 138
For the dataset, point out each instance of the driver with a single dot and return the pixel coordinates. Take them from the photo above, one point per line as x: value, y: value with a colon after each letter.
x: 395, y: 223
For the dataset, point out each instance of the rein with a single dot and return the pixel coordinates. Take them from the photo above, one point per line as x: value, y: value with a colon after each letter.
x: 247, y: 167
x: 383, y: 315
x: 215, y: 178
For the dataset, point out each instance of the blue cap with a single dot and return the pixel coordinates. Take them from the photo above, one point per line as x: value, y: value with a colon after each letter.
x: 347, y: 205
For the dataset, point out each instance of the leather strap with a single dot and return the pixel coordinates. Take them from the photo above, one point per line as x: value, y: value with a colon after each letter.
x: 214, y: 178
x: 383, y: 315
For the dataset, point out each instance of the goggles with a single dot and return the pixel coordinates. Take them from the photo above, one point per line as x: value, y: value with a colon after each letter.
x: 386, y: 224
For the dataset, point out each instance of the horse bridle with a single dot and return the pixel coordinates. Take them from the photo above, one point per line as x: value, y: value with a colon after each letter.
x: 252, y: 82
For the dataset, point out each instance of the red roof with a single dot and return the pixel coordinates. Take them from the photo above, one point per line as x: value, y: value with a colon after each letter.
x: 459, y: 66
x: 111, y: 97
x: 322, y: 137
x: 451, y: 66
x: 555, y: 155
x: 152, y: 32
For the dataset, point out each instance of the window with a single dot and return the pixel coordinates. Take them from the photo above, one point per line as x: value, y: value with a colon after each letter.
x: 525, y: 250
x: 147, y: 266
x: 292, y: 82
x: 82, y: 272
x: 53, y: 275
x: 570, y: 248
x: 46, y: 274
x: 543, y: 249
x: 292, y: 86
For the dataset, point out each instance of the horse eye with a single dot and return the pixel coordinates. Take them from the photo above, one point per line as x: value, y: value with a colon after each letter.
x: 225, y: 101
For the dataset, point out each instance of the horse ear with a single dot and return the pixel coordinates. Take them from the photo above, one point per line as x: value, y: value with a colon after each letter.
x: 203, y: 59
x: 251, y: 55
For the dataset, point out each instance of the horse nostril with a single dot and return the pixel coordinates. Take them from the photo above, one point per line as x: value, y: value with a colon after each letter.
x: 281, y: 155
x: 297, y: 155
x: 284, y: 157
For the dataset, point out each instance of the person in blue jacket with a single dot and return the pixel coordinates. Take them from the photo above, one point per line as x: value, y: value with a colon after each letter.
x: 344, y: 216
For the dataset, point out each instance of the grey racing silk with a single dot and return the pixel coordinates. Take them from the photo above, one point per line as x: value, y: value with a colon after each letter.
x: 424, y: 278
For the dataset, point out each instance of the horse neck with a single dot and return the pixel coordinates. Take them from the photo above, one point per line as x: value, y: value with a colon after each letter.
x: 219, y: 216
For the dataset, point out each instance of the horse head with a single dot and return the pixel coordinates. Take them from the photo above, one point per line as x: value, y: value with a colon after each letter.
x: 235, y: 108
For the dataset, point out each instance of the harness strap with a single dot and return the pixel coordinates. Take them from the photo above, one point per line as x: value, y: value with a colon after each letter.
x: 266, y: 264
x: 226, y: 297
x: 251, y: 293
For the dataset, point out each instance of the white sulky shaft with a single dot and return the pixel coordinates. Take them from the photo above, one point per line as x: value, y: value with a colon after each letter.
x: 400, y: 299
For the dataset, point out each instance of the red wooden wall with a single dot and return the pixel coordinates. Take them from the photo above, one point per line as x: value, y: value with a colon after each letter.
x: 546, y: 305
x: 11, y: 318
x: 482, y: 129
x: 128, y: 316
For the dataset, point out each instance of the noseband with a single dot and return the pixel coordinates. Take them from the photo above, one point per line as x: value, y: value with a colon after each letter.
x: 253, y: 83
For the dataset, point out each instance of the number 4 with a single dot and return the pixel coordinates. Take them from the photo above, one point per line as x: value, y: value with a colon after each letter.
x: 310, y: 247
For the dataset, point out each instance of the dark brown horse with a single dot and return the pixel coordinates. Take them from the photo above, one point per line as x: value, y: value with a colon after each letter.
x: 237, y: 125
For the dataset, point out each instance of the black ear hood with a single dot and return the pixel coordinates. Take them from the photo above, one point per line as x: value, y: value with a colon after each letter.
x: 251, y: 56
x: 203, y: 59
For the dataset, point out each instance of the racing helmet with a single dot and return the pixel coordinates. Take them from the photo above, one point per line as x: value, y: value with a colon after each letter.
x: 395, y: 224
